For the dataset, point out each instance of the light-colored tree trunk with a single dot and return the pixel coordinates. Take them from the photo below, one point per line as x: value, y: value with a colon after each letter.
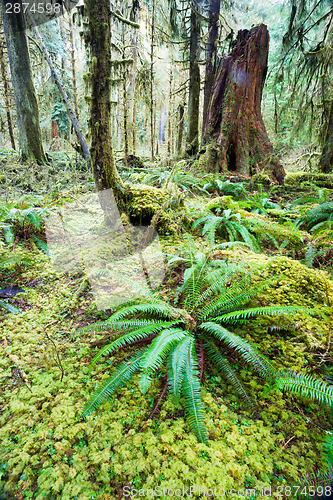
x: 6, y: 92
x: 152, y: 41
x: 30, y: 137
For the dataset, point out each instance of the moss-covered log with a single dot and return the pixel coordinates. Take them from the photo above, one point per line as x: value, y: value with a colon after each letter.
x: 234, y: 132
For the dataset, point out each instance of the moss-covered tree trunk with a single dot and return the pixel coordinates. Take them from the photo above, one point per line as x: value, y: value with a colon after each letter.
x: 326, y: 160
x: 98, y: 43
x: 6, y: 92
x: 30, y: 137
x: 192, y: 140
x: 211, y: 53
x: 235, y: 135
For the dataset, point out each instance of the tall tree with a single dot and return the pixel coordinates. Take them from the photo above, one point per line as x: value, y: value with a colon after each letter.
x: 6, y: 91
x: 326, y: 160
x: 211, y: 54
x: 98, y: 43
x: 307, y: 52
x: 192, y: 139
x: 30, y: 137
x: 235, y: 134
x: 152, y: 46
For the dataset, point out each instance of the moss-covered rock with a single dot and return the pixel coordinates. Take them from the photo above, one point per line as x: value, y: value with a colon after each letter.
x: 294, y: 179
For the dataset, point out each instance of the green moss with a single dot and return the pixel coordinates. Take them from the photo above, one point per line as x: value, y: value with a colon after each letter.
x: 261, y: 178
x: 294, y: 179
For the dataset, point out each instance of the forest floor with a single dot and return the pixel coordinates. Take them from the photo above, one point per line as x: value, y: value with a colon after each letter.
x: 48, y: 451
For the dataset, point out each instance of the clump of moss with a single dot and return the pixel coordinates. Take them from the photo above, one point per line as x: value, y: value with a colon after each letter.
x: 294, y: 179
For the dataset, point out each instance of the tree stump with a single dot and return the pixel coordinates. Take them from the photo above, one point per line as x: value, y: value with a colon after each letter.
x: 235, y: 136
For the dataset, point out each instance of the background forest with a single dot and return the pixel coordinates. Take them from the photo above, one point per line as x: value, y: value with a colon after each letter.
x: 166, y: 211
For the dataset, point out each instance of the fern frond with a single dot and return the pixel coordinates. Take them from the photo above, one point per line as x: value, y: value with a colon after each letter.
x: 9, y: 307
x: 156, y: 353
x: 246, y: 350
x: 328, y: 449
x: 130, y: 337
x: 233, y: 297
x: 122, y: 374
x: 159, y: 310
x: 176, y: 366
x: 235, y: 316
x: 223, y: 364
x: 191, y: 390
x: 115, y: 326
x: 304, y: 385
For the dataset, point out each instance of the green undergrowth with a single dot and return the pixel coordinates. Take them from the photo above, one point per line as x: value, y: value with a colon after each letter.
x: 48, y: 452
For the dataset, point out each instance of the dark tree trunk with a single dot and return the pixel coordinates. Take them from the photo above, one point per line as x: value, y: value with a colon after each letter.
x: 326, y: 160
x: 181, y: 108
x: 194, y: 85
x: 98, y: 41
x: 6, y: 92
x: 235, y: 135
x: 211, y: 50
x: 30, y: 137
x: 55, y: 132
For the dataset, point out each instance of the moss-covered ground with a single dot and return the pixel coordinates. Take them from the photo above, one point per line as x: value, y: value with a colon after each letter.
x: 48, y: 452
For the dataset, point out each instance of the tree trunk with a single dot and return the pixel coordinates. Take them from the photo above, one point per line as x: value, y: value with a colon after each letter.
x: 181, y: 108
x: 326, y: 160
x: 55, y: 132
x: 71, y: 38
x: 194, y: 85
x: 152, y: 124
x: 98, y: 42
x: 169, y: 147
x: 211, y: 52
x: 30, y: 137
x: 132, y: 110
x: 6, y: 95
x: 235, y: 134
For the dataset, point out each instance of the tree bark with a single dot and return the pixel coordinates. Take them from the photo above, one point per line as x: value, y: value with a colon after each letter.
x: 98, y: 42
x: 73, y: 62
x: 194, y: 85
x: 326, y: 160
x: 30, y: 137
x: 6, y: 95
x: 235, y: 135
x: 211, y: 52
x: 132, y: 101
x: 181, y: 108
x: 152, y: 124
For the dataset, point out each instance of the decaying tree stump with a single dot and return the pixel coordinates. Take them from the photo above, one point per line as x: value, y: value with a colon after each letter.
x: 235, y: 137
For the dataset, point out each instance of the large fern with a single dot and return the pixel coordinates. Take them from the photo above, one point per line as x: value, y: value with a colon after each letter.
x: 213, y: 297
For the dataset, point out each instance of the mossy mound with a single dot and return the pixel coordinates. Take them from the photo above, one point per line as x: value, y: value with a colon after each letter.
x: 48, y: 452
x: 149, y: 205
x: 294, y: 179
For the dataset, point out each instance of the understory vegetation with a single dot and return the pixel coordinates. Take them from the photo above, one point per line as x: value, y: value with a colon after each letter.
x: 225, y: 366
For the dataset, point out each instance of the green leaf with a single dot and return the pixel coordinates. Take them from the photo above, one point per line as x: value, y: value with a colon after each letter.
x: 176, y: 366
x: 191, y: 390
x: 122, y: 374
x: 9, y: 307
x: 246, y: 350
x: 157, y: 352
